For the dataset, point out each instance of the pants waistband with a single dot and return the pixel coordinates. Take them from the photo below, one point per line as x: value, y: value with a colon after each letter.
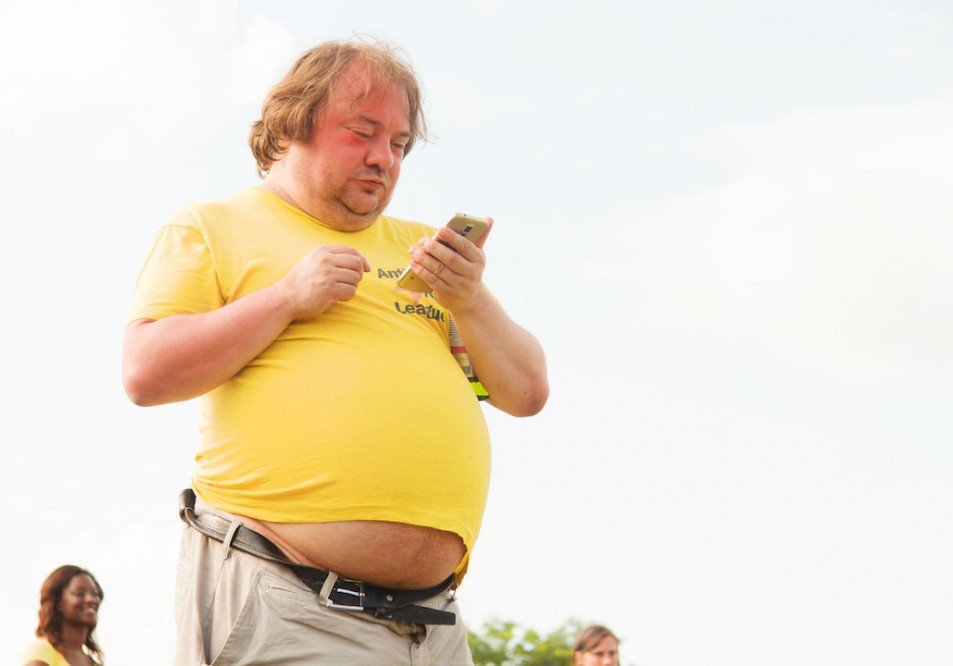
x: 336, y: 592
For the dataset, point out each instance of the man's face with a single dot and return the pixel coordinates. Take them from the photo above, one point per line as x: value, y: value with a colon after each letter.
x: 79, y: 603
x: 349, y: 166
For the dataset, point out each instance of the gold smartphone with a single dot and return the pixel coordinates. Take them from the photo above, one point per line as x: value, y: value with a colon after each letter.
x: 466, y: 225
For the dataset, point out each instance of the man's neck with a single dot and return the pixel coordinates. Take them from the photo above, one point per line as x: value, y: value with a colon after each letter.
x: 279, y: 184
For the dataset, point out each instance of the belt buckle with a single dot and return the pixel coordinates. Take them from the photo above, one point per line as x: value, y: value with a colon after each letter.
x: 357, y: 594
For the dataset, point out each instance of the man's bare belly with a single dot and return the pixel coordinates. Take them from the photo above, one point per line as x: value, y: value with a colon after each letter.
x: 388, y: 554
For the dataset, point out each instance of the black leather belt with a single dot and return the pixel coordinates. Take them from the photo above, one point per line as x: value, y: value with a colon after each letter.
x: 349, y: 595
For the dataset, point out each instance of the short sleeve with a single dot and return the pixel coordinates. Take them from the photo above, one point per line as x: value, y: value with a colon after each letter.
x: 41, y: 650
x: 178, y: 276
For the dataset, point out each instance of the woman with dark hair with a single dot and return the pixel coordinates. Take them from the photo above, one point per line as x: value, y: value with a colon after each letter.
x: 69, y: 607
x: 596, y: 646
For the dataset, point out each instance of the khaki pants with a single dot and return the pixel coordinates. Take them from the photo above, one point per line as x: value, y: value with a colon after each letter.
x: 234, y: 609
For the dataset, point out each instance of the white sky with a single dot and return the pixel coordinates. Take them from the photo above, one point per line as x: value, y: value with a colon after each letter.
x: 728, y: 223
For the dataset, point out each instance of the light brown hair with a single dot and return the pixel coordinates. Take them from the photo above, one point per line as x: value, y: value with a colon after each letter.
x: 290, y: 110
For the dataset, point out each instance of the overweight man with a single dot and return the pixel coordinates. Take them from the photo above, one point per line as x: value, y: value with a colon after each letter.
x: 343, y: 462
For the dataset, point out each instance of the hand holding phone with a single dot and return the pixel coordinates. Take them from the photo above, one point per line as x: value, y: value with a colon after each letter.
x: 470, y: 226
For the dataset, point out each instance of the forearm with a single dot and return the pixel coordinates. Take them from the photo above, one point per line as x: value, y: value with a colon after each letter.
x: 183, y: 356
x: 507, y: 358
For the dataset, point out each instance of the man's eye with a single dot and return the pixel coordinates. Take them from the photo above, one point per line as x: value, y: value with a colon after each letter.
x: 362, y: 133
x: 399, y: 147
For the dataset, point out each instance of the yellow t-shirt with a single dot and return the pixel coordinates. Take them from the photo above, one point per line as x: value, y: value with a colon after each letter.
x: 41, y: 650
x: 361, y: 413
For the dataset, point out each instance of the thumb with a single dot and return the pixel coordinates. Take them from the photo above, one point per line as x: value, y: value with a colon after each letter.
x: 480, y: 243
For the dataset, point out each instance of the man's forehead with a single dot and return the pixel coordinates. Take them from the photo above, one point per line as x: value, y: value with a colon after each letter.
x: 359, y: 84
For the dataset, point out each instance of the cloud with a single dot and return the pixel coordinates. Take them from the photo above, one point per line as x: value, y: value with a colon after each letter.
x: 124, y: 81
x: 832, y: 241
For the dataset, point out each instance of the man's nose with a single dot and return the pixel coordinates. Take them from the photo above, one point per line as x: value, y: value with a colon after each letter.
x: 380, y: 153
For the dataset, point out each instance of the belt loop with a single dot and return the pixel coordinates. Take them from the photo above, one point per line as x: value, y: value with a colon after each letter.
x: 327, y: 587
x: 229, y: 535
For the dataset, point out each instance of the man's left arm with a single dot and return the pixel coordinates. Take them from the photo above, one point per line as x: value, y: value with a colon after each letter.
x: 506, y: 357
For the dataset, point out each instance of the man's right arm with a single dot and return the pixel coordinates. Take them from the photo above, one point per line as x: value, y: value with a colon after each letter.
x: 183, y: 356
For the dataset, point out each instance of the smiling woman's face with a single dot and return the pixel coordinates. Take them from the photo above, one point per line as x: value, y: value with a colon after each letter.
x: 79, y: 604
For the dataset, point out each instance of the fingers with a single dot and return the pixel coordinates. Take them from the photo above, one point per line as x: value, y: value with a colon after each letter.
x: 451, y: 265
x: 458, y: 243
x: 344, y: 263
x: 453, y: 251
x: 326, y: 274
x: 436, y: 265
x: 345, y: 256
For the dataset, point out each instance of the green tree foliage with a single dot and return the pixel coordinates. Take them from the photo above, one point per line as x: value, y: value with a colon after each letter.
x: 501, y: 643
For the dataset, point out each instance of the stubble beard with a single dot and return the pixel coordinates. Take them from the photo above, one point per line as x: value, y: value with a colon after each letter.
x: 359, y: 208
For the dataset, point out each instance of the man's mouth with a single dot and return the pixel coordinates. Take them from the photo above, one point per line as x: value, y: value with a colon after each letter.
x: 372, y: 178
